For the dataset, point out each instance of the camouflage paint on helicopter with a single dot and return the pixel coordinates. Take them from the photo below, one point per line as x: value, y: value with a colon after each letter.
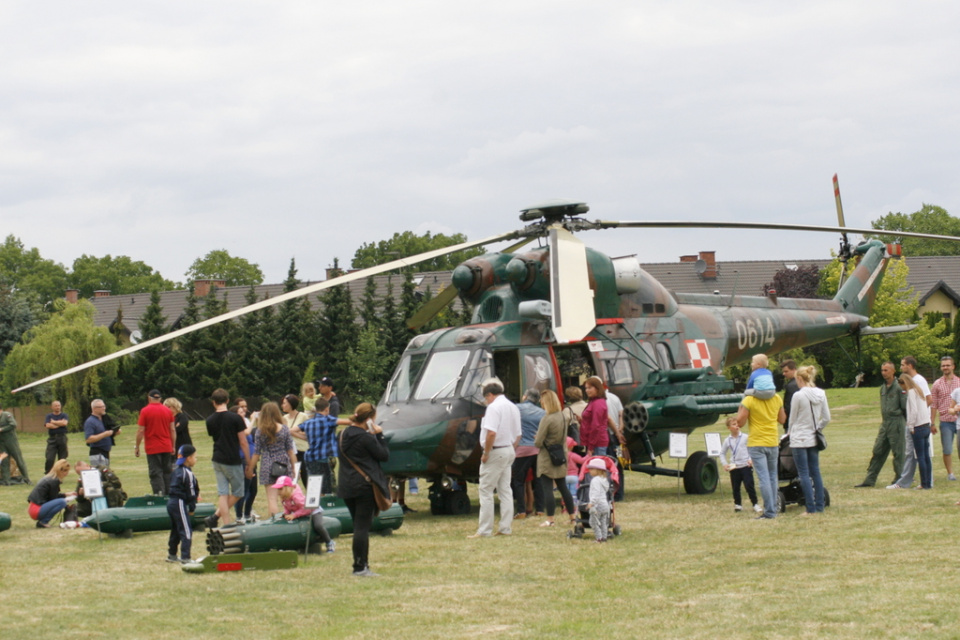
x: 656, y: 350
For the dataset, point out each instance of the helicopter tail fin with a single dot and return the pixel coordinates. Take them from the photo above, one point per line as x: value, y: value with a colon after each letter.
x: 859, y: 292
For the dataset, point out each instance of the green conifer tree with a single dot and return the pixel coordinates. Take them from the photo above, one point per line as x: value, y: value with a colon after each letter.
x: 294, y: 319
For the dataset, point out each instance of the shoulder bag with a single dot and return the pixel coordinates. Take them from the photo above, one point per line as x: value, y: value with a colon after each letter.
x: 573, y: 424
x: 817, y: 431
x: 383, y: 502
x: 558, y: 454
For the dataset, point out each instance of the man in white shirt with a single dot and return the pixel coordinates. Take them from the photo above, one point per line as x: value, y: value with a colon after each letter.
x: 499, y: 435
x: 908, y: 365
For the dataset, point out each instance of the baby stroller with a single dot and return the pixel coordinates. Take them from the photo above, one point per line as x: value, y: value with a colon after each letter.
x: 582, y: 521
x: 791, y: 493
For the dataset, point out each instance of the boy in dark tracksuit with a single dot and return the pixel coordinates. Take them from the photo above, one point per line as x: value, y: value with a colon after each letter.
x: 184, y: 493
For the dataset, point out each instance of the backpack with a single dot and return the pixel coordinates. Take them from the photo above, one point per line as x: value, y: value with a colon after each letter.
x: 573, y: 424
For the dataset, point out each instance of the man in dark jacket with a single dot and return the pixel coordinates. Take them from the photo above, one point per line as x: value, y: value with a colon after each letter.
x: 789, y: 370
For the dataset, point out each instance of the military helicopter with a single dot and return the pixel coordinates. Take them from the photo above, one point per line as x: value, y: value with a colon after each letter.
x: 549, y: 317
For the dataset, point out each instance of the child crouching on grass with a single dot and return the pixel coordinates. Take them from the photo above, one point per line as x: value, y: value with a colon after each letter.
x: 184, y: 494
x: 740, y: 465
x: 293, y: 507
x: 599, y: 507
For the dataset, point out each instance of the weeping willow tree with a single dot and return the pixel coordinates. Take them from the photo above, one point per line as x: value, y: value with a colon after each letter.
x: 68, y: 338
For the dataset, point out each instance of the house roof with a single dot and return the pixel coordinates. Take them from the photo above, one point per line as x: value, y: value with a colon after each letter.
x: 746, y: 277
x: 174, y: 303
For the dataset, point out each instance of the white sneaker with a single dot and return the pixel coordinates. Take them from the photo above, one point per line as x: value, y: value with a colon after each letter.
x: 757, y: 508
x: 951, y: 477
x: 894, y: 486
x: 737, y: 507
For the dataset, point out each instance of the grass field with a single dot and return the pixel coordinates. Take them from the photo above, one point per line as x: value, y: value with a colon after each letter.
x: 878, y: 564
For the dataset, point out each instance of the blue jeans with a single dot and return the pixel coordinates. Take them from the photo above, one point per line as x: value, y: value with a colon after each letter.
x: 765, y: 465
x: 600, y: 451
x: 807, y: 460
x: 49, y: 509
x: 921, y: 446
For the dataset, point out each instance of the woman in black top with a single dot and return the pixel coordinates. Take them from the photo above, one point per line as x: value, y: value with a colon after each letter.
x: 46, y: 500
x: 181, y: 421
x: 362, y: 444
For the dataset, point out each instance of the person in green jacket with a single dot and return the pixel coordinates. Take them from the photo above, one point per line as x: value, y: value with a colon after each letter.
x: 11, y: 446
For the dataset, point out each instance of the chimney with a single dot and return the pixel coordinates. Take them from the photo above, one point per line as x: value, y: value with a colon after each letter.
x: 334, y: 272
x: 202, y: 287
x: 102, y: 293
x: 710, y: 257
x: 688, y: 258
x: 72, y: 295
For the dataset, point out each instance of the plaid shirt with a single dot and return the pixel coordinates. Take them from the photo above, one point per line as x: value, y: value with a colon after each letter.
x: 941, y: 397
x: 321, y: 432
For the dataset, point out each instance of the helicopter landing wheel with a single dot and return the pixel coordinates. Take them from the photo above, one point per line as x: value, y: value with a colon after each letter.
x: 700, y: 474
x: 457, y: 503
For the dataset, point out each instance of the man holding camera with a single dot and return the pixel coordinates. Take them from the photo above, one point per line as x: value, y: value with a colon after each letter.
x: 98, y: 437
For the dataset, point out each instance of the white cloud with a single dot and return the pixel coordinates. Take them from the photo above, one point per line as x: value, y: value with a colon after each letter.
x: 163, y: 131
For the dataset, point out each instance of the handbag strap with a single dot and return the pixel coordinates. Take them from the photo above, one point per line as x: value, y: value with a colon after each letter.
x: 813, y: 415
x: 344, y: 454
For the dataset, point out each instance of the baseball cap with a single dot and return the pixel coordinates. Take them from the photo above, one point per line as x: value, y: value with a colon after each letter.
x: 283, y: 481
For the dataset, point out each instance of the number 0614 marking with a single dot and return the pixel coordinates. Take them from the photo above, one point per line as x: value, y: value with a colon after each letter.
x: 754, y: 332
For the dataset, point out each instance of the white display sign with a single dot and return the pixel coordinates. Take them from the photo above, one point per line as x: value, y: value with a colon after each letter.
x: 594, y: 346
x: 678, y: 445
x: 314, y: 491
x: 92, y: 487
x: 714, y: 444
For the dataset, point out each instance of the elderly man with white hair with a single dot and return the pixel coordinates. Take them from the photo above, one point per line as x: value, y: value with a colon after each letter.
x: 499, y: 435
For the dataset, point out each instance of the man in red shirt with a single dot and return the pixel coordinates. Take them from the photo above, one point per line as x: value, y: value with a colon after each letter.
x: 157, y: 430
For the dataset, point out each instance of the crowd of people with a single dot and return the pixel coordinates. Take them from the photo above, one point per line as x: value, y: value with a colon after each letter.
x: 911, y: 413
x: 529, y: 450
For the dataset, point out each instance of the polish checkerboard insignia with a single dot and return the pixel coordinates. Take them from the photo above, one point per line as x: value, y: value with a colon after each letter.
x: 699, y: 353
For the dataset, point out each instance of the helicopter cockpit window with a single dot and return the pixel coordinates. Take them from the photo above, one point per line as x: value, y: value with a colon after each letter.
x: 440, y: 378
x: 478, y: 372
x: 650, y: 355
x: 537, y: 371
x: 401, y: 384
x: 664, y: 356
x: 618, y: 370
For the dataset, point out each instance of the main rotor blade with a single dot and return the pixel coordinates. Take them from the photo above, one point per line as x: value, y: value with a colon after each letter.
x: 573, y: 314
x: 836, y: 194
x: 666, y: 224
x: 432, y: 308
x: 290, y: 295
x: 844, y: 241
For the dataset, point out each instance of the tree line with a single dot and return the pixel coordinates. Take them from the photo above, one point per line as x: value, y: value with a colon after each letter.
x: 262, y: 355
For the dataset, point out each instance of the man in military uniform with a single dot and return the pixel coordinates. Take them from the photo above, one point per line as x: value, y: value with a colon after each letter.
x: 892, y: 435
x: 113, y: 493
x: 11, y: 446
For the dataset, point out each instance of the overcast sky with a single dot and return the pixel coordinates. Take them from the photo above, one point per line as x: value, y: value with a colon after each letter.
x: 164, y: 130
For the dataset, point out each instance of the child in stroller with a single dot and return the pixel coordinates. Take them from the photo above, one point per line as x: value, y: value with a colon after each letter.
x: 600, y: 463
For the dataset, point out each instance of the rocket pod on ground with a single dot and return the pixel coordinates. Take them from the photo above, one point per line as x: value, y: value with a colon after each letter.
x: 147, y: 513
